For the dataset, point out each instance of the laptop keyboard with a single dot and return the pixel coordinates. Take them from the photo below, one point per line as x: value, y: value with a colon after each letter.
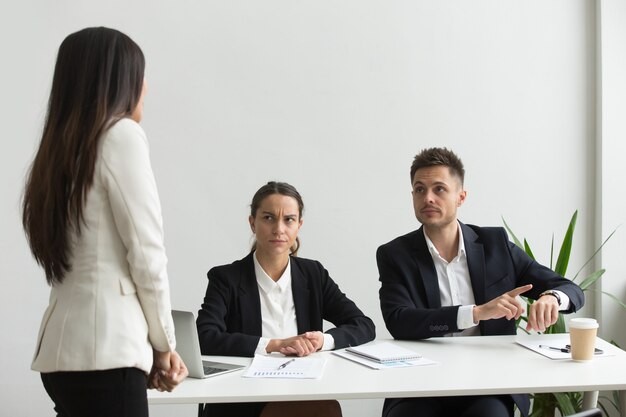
x: 209, y: 370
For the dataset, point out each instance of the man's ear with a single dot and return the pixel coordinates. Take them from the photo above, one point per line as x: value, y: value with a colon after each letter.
x: 251, y: 221
x: 462, y: 197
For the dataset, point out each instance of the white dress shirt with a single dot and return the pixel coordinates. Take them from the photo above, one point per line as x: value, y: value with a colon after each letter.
x: 455, y: 287
x: 278, y: 311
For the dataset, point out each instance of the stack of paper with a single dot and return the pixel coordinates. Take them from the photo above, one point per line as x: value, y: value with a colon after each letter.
x: 384, y: 352
x: 383, y: 355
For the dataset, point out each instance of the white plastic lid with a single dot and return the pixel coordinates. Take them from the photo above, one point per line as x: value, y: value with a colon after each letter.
x: 583, y: 323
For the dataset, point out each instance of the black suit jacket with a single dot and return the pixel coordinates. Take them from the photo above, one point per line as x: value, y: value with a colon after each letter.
x: 409, y: 292
x: 229, y: 322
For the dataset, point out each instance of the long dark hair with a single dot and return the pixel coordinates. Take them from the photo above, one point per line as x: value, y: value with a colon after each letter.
x: 282, y: 188
x: 98, y: 79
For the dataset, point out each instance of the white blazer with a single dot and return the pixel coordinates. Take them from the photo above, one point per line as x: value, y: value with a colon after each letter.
x: 114, y: 304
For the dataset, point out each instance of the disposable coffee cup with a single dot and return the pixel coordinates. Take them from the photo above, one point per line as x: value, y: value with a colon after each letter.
x: 582, y: 333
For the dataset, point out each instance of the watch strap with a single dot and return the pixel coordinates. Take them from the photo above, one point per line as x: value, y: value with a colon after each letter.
x: 553, y: 294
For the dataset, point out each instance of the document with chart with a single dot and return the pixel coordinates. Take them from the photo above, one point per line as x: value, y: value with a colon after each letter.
x: 285, y: 367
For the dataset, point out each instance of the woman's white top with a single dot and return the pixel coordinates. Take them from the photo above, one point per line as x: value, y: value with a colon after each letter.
x: 113, y: 306
x: 278, y: 311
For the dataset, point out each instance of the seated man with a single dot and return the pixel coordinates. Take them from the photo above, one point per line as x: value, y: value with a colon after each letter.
x: 452, y: 279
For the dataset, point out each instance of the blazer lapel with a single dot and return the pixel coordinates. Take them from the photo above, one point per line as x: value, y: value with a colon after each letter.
x: 475, y: 262
x: 300, y: 291
x: 249, y: 300
x: 427, y: 270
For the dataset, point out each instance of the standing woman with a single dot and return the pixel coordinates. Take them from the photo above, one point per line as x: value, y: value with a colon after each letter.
x: 92, y: 217
x: 272, y: 301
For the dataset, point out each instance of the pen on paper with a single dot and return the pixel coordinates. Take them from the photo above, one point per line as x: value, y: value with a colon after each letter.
x: 285, y: 364
x: 564, y: 350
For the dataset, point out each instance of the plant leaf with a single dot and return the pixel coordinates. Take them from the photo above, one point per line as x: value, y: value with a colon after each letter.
x: 591, y: 279
x: 612, y: 401
x: 566, y: 247
x: 543, y: 405
x: 614, y: 298
x: 617, y: 300
x: 595, y: 253
x: 527, y: 249
x: 508, y: 229
x: 552, y: 253
x: 565, y: 403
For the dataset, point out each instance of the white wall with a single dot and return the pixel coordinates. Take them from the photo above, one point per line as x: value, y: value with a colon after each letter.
x: 612, y: 100
x: 334, y: 97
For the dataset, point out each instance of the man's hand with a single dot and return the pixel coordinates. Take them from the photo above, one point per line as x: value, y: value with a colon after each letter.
x: 506, y: 305
x: 301, y: 345
x: 543, y: 313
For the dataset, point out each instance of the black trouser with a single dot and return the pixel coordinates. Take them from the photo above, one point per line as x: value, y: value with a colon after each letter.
x: 468, y: 406
x: 111, y: 393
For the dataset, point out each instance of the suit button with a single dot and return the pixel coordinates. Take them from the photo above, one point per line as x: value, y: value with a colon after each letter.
x: 445, y: 327
x: 431, y: 328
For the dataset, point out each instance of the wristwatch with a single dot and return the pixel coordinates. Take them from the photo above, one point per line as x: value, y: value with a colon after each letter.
x: 552, y: 293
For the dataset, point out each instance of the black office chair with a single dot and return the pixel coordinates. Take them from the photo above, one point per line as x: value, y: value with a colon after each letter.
x: 594, y: 412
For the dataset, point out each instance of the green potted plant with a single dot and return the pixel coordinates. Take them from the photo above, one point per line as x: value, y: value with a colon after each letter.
x: 545, y: 404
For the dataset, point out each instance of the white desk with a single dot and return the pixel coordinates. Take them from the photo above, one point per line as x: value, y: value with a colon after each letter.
x: 466, y: 366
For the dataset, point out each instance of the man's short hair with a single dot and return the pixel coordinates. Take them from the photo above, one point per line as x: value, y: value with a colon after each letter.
x: 438, y: 156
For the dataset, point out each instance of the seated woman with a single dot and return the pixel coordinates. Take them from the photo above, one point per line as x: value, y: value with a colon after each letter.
x: 272, y: 301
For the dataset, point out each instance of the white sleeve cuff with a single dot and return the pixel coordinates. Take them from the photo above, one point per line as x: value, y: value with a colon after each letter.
x: 260, y: 348
x: 465, y: 317
x: 329, y: 342
x: 564, y: 300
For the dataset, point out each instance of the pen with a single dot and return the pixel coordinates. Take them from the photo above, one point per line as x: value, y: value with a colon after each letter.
x: 286, y: 363
x: 564, y: 350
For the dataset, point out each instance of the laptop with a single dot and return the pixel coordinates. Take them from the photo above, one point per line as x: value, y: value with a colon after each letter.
x: 188, y: 347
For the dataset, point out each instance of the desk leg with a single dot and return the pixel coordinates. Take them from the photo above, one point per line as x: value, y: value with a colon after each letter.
x: 590, y: 399
x: 622, y: 402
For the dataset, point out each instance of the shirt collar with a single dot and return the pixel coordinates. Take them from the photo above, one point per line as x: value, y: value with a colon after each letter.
x: 433, y: 250
x: 265, y: 282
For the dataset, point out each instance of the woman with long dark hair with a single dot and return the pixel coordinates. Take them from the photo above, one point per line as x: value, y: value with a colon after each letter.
x: 92, y: 217
x: 273, y: 301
